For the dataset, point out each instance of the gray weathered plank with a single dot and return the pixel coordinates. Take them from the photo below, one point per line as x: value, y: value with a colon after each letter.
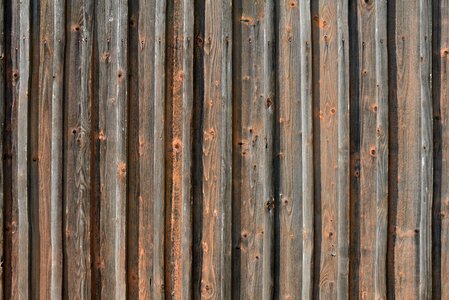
x: 411, y: 150
x: 440, y: 82
x: 215, y: 94
x: 49, y: 96
x: 77, y: 149
x: 111, y: 78
x: 294, y: 85
x: 253, y: 109
x: 146, y: 150
x: 179, y: 101
x: 15, y: 167
x: 331, y: 129
x: 370, y: 134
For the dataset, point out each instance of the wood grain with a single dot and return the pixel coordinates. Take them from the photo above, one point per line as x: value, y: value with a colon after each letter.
x: 294, y: 113
x: 179, y: 102
x: 214, y: 267
x: 369, y: 132
x: 111, y: 84
x: 331, y: 130
x: 17, y: 28
x: 49, y: 149
x: 253, y: 124
x: 145, y: 257
x: 411, y: 150
x: 77, y: 148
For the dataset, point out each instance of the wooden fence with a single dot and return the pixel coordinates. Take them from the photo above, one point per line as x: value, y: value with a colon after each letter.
x: 269, y: 149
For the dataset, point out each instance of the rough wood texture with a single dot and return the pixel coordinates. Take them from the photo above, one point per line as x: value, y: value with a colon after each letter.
x: 77, y: 149
x: 294, y: 118
x: 331, y: 132
x: 49, y: 86
x: 369, y: 148
x: 17, y: 27
x: 213, y: 269
x: 111, y: 94
x: 146, y: 150
x: 224, y: 149
x: 253, y: 123
x: 411, y: 149
x: 179, y: 104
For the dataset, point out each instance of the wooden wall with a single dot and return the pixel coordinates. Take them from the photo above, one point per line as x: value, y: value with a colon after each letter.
x: 218, y: 149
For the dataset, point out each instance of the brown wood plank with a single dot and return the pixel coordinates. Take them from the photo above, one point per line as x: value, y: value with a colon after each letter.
x: 15, y: 168
x: 331, y: 131
x: 77, y: 149
x: 440, y: 83
x: 411, y: 150
x: 253, y: 116
x: 111, y: 87
x: 146, y: 150
x: 370, y: 149
x: 2, y: 122
x: 49, y: 75
x: 215, y: 99
x: 179, y: 101
x: 294, y: 81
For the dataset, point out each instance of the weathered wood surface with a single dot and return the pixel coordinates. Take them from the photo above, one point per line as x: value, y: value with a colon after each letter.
x: 369, y: 148
x: 145, y: 238
x: 78, y: 133
x: 15, y: 153
x: 295, y: 154
x: 411, y: 150
x: 331, y: 146
x: 179, y: 110
x: 253, y: 116
x: 212, y: 150
x: 224, y: 149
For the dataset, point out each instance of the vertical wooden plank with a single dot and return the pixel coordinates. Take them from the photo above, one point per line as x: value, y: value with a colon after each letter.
x: 146, y: 150
x: 331, y: 122
x: 253, y: 195
x: 16, y: 144
x: 440, y: 86
x: 77, y: 149
x: 216, y: 159
x: 179, y: 100
x: 369, y: 127
x: 16, y: 136
x: 111, y: 78
x: 411, y: 149
x: 49, y: 149
x: 294, y: 82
